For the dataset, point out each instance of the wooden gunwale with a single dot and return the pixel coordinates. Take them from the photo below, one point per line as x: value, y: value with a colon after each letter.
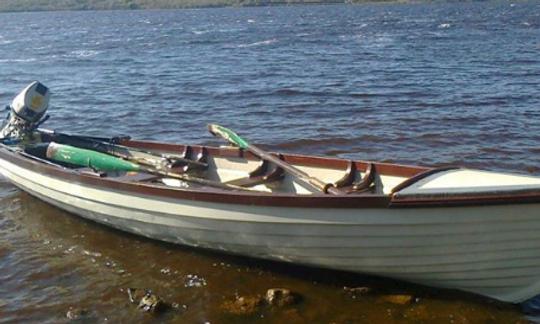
x: 498, y: 198
x: 419, y: 177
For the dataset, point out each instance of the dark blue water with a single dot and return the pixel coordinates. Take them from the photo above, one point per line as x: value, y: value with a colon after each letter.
x: 412, y: 83
x: 425, y: 84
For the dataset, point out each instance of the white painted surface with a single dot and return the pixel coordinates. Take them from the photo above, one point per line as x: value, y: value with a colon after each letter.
x: 470, y: 181
x: 491, y: 250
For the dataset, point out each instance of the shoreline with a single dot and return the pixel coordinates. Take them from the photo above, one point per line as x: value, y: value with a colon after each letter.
x: 182, y: 5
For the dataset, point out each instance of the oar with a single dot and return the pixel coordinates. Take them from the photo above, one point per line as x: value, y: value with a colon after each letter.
x: 52, y: 133
x: 233, y: 138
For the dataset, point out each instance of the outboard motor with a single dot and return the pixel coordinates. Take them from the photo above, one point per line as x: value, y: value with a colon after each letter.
x: 26, y: 113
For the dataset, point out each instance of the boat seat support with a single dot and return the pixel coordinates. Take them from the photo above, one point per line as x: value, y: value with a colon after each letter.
x: 187, y: 153
x: 367, y: 183
x: 348, y: 178
x: 262, y: 174
x: 347, y: 183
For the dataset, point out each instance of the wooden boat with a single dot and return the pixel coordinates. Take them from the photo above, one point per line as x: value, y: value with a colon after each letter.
x: 456, y: 228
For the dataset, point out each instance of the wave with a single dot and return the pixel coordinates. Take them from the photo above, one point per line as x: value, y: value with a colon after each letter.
x: 200, y: 32
x: 82, y: 53
x: 261, y: 43
x: 18, y: 60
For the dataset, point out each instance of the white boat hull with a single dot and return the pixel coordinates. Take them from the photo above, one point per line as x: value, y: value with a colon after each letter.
x: 488, y: 250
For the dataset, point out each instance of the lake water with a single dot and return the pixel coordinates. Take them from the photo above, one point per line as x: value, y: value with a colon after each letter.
x: 428, y: 84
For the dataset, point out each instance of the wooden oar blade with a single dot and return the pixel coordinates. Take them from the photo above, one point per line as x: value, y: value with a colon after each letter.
x: 229, y: 135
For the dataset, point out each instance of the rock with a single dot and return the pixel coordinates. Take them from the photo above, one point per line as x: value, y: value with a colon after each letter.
x: 192, y: 280
x: 243, y: 305
x: 281, y: 297
x: 397, y: 299
x: 76, y: 313
x: 248, y: 305
x: 92, y: 254
x: 151, y: 303
x: 179, y: 307
x: 146, y: 300
x: 70, y: 249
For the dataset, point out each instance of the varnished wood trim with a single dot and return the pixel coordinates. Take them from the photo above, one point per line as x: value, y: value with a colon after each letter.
x: 186, y: 152
x: 367, y: 180
x: 275, y: 175
x: 348, y: 177
x: 261, y: 169
x: 419, y: 177
x: 499, y: 198
x: 261, y: 175
x: 202, y: 156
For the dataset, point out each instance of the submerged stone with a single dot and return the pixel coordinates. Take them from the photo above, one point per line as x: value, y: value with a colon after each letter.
x: 151, y: 303
x: 281, y: 297
x: 146, y: 300
x: 248, y: 305
x: 76, y: 313
x: 179, y: 307
x: 92, y: 254
x: 193, y: 280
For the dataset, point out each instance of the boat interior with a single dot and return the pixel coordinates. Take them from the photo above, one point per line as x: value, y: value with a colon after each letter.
x: 233, y: 166
x: 239, y: 169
